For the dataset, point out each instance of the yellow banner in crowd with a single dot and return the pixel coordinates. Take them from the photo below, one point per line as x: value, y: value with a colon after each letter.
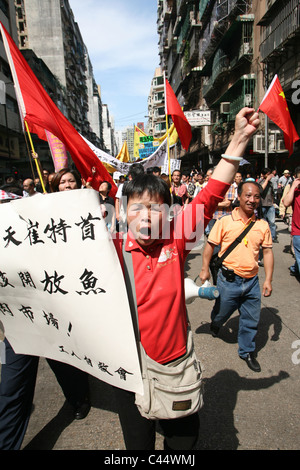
x: 138, y: 133
x: 123, y: 156
x: 173, y: 136
x: 136, y: 142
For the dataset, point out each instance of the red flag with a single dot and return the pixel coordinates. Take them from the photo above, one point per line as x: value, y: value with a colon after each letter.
x: 274, y: 105
x: 174, y: 110
x: 41, y: 114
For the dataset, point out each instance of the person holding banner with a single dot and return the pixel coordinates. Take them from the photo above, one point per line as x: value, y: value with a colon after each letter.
x: 158, y: 257
x: 18, y: 374
x: 108, y: 205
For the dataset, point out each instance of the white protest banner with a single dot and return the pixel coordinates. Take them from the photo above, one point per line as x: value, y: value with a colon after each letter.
x: 62, y: 289
x: 174, y: 165
x: 156, y: 159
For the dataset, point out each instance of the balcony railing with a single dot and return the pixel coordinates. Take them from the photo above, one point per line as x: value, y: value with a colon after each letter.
x: 202, y: 7
x: 235, y: 47
x: 185, y: 27
x: 220, y: 66
x: 242, y: 93
x: 281, y: 27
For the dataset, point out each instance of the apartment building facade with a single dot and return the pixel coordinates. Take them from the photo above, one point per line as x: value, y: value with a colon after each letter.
x: 129, y: 137
x: 11, y: 136
x: 156, y: 126
x: 52, y: 33
x: 50, y: 40
x: 280, y: 54
x: 220, y: 55
x: 109, y: 138
x: 48, y: 28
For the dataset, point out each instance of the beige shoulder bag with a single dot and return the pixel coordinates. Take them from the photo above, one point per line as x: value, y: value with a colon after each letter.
x: 173, y: 390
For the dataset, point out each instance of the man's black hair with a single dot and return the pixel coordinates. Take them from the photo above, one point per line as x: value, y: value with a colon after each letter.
x: 156, y: 169
x: 297, y: 170
x: 150, y: 183
x: 108, y: 186
x: 242, y: 183
x: 240, y: 190
x: 135, y: 170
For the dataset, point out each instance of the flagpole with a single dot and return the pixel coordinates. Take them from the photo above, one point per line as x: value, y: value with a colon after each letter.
x: 266, y: 140
x: 36, y: 162
x: 28, y: 151
x: 167, y: 129
x: 266, y: 122
x: 168, y: 146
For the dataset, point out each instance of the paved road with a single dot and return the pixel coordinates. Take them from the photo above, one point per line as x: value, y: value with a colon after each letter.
x: 243, y: 410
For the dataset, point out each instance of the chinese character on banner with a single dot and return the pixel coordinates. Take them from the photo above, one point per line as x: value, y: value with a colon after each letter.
x: 62, y: 288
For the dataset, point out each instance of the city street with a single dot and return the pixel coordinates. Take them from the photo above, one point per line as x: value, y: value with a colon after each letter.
x: 243, y: 410
x: 92, y: 94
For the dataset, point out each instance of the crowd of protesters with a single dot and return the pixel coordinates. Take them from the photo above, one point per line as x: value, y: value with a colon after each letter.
x: 184, y: 186
x: 274, y: 196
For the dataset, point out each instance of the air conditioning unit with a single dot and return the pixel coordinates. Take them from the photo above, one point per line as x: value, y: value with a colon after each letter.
x: 259, y: 143
x: 225, y: 108
x: 246, y: 48
x: 272, y: 143
x: 207, y: 136
x: 280, y: 145
x: 248, y: 100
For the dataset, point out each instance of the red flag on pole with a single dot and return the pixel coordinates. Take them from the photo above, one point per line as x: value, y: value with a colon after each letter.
x: 174, y: 110
x: 41, y: 114
x: 274, y: 105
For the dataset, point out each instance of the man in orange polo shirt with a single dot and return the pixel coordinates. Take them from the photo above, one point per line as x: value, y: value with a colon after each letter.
x: 238, y: 282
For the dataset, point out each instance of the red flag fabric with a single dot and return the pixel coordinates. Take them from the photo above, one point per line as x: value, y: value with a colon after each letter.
x: 274, y: 105
x: 41, y: 114
x: 174, y: 110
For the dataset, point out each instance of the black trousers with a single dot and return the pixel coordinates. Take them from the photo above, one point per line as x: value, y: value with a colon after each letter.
x: 139, y: 432
x: 17, y: 384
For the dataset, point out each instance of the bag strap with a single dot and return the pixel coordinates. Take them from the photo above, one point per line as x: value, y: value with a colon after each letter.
x: 131, y: 293
x: 236, y: 242
x: 130, y: 287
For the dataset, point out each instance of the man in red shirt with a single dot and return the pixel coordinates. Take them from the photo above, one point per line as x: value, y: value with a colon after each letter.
x: 292, y: 198
x: 159, y: 249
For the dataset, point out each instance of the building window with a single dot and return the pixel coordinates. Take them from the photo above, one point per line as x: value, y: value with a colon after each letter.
x: 158, y: 97
x: 11, y: 104
x: 4, y: 7
x: 161, y: 127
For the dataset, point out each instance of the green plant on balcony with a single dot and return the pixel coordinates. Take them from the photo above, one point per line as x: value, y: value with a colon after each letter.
x: 186, y: 56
